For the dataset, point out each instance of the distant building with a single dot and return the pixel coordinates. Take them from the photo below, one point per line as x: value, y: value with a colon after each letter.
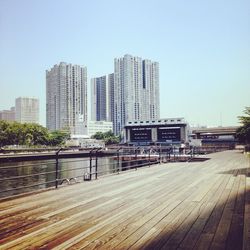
x: 221, y: 137
x: 163, y: 131
x: 99, y: 107
x: 66, y: 98
x: 8, y: 115
x: 111, y: 110
x: 27, y: 110
x: 102, y: 98
x: 99, y: 126
x: 84, y: 142
x: 136, y: 91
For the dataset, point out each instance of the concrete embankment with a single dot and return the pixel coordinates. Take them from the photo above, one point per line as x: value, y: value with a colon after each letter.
x: 51, y: 155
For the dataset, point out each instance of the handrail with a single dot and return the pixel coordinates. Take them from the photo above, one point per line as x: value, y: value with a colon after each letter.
x: 123, y: 159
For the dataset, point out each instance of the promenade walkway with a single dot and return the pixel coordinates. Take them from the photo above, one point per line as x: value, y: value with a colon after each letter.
x: 199, y: 205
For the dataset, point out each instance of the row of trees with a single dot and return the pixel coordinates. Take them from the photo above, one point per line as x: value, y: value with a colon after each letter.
x: 14, y: 133
x: 243, y: 132
x: 107, y: 137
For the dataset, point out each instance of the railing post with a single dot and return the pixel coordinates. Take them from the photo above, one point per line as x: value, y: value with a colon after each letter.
x: 160, y: 155
x: 136, y: 152
x: 174, y: 153
x: 96, y: 162
x: 149, y: 156
x: 90, y: 164
x: 57, y: 166
x: 118, y: 159
x: 171, y: 151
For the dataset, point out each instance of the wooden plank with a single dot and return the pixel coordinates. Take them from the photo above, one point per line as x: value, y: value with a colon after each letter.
x: 128, y: 226
x: 209, y: 204
x: 191, y: 227
x: 116, y: 191
x: 220, y: 238
x: 235, y: 239
x: 208, y: 232
x: 108, y: 228
x: 246, y: 233
x: 186, y: 205
x: 157, y: 235
x: 52, y: 220
x: 165, y: 218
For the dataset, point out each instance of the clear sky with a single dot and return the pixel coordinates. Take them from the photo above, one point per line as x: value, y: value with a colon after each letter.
x: 203, y: 48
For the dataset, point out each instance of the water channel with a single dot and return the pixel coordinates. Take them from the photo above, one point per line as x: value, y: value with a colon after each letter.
x: 26, y: 176
x: 41, y: 174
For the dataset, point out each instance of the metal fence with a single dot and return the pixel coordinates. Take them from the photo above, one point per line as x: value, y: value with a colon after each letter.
x: 22, y: 178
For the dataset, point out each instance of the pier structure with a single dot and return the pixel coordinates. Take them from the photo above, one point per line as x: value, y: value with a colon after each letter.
x: 200, y: 205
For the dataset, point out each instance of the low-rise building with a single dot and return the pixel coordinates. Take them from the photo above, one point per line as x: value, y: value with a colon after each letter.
x: 8, y: 115
x: 99, y: 126
x: 84, y: 141
x: 163, y: 131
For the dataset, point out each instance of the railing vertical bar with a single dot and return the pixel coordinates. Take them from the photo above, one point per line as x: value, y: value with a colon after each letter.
x: 96, y: 164
x: 57, y: 167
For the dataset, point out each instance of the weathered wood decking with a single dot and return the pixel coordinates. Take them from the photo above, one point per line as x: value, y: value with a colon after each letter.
x: 177, y: 205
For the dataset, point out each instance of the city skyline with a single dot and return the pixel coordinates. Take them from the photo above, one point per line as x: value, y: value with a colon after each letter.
x: 203, y: 50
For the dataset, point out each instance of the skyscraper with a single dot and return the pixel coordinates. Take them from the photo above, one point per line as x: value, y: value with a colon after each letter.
x: 27, y: 110
x: 102, y: 98
x: 66, y: 98
x: 111, y: 111
x: 136, y: 91
x: 99, y: 104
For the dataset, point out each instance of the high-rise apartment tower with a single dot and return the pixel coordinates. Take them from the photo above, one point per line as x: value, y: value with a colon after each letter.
x: 102, y: 98
x: 27, y: 110
x: 66, y: 98
x: 136, y: 91
x: 99, y: 107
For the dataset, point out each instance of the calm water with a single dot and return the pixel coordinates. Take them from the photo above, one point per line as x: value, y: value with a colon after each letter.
x: 41, y: 174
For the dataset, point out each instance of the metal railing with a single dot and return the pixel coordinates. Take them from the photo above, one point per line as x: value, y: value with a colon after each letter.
x: 20, y: 178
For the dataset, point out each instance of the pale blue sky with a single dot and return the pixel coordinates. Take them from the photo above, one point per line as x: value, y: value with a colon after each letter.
x: 203, y: 48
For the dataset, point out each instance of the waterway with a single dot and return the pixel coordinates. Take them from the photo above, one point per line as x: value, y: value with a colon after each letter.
x: 41, y: 174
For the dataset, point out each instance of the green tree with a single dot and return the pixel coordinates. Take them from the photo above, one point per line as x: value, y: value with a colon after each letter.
x: 3, y: 133
x: 40, y: 135
x: 108, y: 137
x: 58, y: 137
x: 98, y: 136
x: 243, y: 132
x: 15, y: 133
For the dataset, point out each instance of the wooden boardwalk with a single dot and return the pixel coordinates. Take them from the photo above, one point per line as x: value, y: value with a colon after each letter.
x: 201, y: 205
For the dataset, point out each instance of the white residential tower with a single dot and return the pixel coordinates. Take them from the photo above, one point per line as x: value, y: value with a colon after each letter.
x: 27, y: 110
x: 66, y: 98
x: 136, y: 91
